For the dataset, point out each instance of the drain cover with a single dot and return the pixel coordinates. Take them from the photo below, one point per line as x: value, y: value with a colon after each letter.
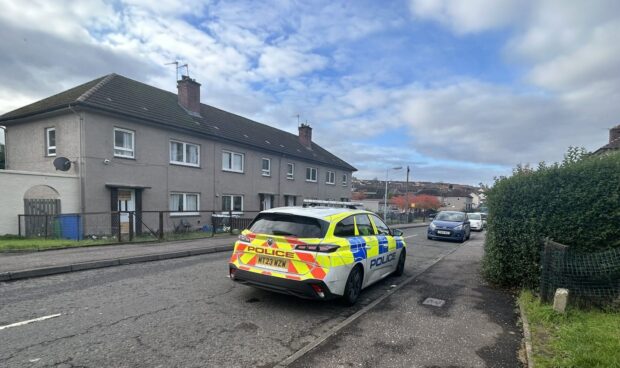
x: 434, y: 302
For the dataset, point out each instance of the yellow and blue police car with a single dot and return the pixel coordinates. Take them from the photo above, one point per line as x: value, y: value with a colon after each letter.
x: 317, y: 252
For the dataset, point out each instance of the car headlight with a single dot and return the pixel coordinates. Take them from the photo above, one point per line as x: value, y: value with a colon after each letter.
x: 432, y: 226
x: 460, y: 227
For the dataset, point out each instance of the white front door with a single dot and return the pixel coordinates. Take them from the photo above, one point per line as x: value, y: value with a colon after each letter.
x: 126, y: 202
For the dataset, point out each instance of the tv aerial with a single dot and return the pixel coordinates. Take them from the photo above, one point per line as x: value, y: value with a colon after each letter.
x: 62, y: 164
x: 177, y: 67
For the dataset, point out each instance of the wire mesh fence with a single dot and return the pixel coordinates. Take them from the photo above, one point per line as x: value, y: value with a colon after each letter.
x: 393, y: 218
x: 593, y: 279
x: 133, y: 226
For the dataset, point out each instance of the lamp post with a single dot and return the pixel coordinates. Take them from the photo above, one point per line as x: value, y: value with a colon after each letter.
x: 387, y: 172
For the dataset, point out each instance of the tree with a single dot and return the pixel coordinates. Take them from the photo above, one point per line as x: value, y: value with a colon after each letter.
x: 426, y: 202
x: 419, y: 202
x: 402, y: 202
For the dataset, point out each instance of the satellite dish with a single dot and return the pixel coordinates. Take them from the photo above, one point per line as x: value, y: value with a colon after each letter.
x: 62, y: 164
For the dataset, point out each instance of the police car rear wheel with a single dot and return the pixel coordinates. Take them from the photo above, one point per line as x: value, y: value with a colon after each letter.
x: 354, y: 286
x: 400, y: 267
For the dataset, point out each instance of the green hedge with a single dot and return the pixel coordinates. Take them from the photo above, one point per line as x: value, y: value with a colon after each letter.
x: 576, y: 203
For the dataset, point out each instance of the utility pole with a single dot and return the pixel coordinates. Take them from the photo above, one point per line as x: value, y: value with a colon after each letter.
x: 407, y: 194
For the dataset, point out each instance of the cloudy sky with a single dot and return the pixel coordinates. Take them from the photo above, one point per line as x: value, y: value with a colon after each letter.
x: 460, y: 90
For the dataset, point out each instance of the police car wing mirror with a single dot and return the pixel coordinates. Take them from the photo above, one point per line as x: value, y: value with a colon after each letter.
x: 397, y: 232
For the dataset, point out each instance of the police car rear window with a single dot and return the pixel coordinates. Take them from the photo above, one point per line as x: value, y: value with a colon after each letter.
x: 288, y: 225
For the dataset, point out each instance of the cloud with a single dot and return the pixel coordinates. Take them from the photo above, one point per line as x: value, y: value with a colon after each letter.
x: 373, y: 78
x: 469, y: 16
x: 277, y: 62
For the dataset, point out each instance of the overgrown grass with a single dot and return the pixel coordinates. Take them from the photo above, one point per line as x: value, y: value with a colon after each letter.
x: 577, y: 338
x: 15, y: 243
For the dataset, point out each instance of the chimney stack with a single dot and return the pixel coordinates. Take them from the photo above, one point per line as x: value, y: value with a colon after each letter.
x: 189, y: 94
x: 305, y: 135
x: 614, y: 133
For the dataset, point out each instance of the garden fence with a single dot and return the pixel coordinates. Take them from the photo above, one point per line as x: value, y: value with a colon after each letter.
x: 593, y: 279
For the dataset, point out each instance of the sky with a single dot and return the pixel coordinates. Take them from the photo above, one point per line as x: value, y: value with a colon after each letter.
x: 460, y: 91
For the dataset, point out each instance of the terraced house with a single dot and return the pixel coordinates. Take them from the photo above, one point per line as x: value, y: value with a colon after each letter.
x: 137, y: 147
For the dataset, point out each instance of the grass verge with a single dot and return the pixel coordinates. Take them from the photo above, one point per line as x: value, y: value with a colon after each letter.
x: 578, y: 338
x: 15, y: 243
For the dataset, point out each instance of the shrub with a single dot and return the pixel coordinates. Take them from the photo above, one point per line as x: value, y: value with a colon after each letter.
x: 576, y: 203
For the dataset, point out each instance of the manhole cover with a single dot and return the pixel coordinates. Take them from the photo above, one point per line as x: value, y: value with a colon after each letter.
x: 434, y: 302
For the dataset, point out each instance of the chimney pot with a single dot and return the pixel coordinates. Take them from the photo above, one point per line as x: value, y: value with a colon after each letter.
x: 189, y: 94
x: 305, y: 135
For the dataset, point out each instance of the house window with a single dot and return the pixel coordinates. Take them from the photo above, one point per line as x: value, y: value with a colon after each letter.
x: 266, y: 167
x: 344, y: 180
x: 290, y: 200
x: 290, y: 171
x: 266, y: 201
x: 330, y: 177
x: 232, y: 203
x: 182, y: 153
x: 50, y: 141
x: 311, y: 174
x: 123, y: 143
x: 232, y: 161
x: 184, y: 204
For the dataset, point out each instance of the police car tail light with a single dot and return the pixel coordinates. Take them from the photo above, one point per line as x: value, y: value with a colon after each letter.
x: 231, y: 273
x: 318, y: 289
x: 244, y: 238
x: 328, y: 248
x: 323, y: 248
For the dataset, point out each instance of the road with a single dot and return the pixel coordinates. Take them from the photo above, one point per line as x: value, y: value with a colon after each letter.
x: 181, y: 312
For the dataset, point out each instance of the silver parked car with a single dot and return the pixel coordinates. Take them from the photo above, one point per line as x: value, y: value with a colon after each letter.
x: 476, y: 223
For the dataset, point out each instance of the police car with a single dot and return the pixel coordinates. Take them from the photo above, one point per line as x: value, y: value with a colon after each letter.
x: 317, y: 252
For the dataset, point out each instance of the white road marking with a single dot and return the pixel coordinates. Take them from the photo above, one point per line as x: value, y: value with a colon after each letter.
x: 410, y: 236
x: 30, y: 321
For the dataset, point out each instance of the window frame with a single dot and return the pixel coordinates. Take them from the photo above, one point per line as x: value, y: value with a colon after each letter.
x: 185, y: 144
x: 133, y: 143
x: 287, y: 197
x: 316, y: 174
x: 372, y: 226
x: 330, y: 174
x: 232, y: 155
x: 185, y: 212
x: 232, y: 203
x: 352, y: 217
x: 263, y: 171
x: 377, y: 220
x: 290, y: 175
x: 345, y: 179
x: 48, y: 147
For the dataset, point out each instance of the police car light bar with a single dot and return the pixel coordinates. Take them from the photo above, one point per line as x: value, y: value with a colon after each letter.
x: 324, y: 203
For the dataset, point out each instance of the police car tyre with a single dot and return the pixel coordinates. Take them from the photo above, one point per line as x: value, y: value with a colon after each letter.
x: 400, y: 267
x: 353, y: 287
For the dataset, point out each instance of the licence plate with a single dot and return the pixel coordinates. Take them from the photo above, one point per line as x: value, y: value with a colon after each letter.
x: 443, y: 232
x: 273, y: 262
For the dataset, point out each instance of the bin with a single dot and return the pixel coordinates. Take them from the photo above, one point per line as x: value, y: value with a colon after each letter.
x: 70, y: 226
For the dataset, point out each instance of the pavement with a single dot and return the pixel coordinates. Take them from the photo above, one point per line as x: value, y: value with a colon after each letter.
x: 468, y: 324
x: 22, y: 265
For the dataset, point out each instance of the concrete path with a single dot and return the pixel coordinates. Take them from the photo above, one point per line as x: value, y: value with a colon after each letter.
x: 476, y: 326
